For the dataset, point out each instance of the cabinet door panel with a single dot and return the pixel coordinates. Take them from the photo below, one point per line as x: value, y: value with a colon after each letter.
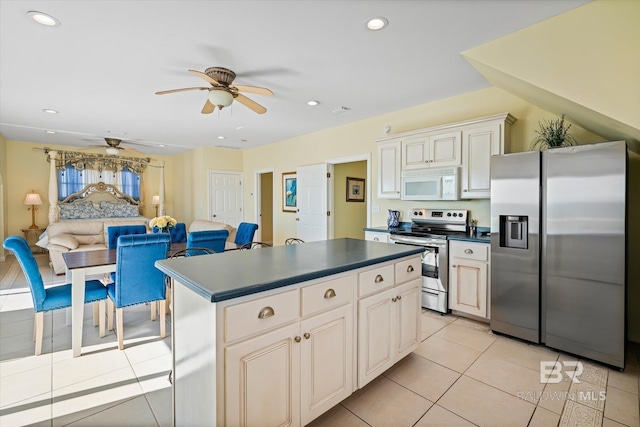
x: 445, y: 149
x: 389, y: 170
x: 469, y: 290
x: 327, y: 361
x: 479, y: 145
x: 375, y: 335
x: 262, y: 380
x: 409, y: 317
x: 415, y: 153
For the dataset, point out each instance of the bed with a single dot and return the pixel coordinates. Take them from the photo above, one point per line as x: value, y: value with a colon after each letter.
x: 83, y: 219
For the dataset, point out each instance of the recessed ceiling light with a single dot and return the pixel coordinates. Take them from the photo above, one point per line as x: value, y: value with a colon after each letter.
x: 377, y: 23
x: 50, y: 111
x: 161, y: 145
x: 49, y: 131
x: 44, y: 19
x: 240, y: 127
x: 221, y: 137
x: 313, y: 103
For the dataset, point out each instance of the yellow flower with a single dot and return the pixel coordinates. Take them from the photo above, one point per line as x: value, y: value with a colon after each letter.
x: 163, y: 222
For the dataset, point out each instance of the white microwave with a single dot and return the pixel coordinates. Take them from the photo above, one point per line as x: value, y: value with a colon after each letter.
x: 431, y: 184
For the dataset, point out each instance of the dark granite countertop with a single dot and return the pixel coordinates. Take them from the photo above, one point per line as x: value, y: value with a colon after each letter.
x: 234, y: 274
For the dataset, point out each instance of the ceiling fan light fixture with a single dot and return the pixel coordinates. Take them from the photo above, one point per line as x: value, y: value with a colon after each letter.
x: 220, y: 98
x: 112, y: 150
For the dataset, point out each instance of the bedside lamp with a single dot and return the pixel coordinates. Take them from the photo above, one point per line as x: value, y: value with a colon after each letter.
x: 155, y: 201
x: 33, y: 199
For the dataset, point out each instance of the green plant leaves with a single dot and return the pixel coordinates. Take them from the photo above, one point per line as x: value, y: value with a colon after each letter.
x: 553, y: 134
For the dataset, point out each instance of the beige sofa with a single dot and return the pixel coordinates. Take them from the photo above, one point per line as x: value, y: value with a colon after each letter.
x: 74, y: 236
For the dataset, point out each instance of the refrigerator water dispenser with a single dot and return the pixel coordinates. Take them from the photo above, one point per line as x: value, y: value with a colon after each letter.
x: 514, y: 231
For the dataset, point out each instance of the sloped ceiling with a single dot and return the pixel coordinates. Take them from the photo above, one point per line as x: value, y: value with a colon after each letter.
x: 584, y: 63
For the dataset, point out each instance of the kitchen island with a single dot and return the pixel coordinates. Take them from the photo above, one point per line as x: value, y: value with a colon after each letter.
x: 277, y: 336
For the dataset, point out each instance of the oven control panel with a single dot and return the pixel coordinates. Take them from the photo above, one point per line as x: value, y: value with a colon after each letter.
x: 442, y: 216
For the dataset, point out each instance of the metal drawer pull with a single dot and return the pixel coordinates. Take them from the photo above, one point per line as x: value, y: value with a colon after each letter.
x: 468, y: 251
x: 297, y: 339
x: 329, y: 294
x: 375, y: 239
x: 307, y: 335
x: 394, y: 299
x: 379, y: 279
x: 410, y: 269
x: 399, y: 297
x: 266, y: 312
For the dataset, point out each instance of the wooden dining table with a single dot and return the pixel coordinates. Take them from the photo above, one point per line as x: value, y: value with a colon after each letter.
x: 80, y: 265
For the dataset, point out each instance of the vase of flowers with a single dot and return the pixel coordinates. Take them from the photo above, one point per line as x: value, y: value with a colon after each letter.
x: 163, y: 223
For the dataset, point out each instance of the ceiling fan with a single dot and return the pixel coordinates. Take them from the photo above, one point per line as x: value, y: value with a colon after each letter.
x: 222, y: 92
x: 113, y: 147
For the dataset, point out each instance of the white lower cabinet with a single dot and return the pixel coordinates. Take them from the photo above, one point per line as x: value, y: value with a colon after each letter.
x: 262, y: 380
x: 327, y: 361
x: 388, y: 329
x: 469, y: 277
x: 293, y: 374
x: 291, y: 356
x: 377, y: 236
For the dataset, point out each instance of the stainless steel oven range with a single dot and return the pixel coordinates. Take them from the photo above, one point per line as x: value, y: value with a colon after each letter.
x: 430, y: 228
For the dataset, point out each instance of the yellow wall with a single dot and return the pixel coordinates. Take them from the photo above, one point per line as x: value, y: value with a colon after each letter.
x: 3, y: 192
x: 28, y: 169
x: 584, y: 63
x: 191, y: 200
x: 266, y: 186
x: 349, y: 217
x: 358, y: 138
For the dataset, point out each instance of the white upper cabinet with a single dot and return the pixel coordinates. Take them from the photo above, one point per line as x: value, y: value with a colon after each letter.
x: 480, y: 141
x: 469, y: 144
x: 389, y: 170
x: 431, y: 151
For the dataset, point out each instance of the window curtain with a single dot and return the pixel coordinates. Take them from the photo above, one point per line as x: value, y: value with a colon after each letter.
x: 71, y: 180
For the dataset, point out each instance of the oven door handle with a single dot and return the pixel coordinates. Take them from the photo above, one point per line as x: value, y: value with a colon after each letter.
x: 418, y: 242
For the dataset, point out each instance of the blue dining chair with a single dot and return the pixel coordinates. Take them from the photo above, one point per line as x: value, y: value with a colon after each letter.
x: 115, y: 231
x: 245, y: 233
x: 178, y: 233
x: 211, y: 239
x: 137, y: 279
x: 52, y: 298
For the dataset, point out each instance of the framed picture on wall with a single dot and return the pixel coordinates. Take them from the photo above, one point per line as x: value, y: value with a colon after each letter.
x: 355, y: 189
x: 289, y: 192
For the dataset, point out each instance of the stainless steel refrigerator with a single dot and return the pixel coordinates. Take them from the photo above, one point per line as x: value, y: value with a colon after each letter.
x: 558, y: 249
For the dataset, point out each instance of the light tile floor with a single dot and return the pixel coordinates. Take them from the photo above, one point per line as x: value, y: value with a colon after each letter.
x: 462, y: 375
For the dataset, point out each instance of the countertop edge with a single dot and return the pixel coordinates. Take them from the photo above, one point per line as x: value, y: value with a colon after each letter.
x: 270, y: 285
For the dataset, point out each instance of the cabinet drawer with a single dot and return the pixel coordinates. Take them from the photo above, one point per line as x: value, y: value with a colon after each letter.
x: 322, y: 296
x: 408, y: 270
x: 469, y: 250
x: 376, y: 236
x: 376, y: 280
x: 258, y: 315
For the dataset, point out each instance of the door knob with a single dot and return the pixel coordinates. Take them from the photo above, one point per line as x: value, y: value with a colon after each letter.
x: 214, y: 215
x: 306, y: 335
x: 297, y: 219
x: 297, y: 339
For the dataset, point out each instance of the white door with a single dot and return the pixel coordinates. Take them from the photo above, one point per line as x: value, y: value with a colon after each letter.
x: 225, y: 197
x: 313, y: 210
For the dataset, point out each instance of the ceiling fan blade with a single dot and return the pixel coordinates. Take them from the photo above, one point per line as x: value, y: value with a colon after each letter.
x: 250, y: 104
x: 208, y: 107
x: 164, y: 92
x: 133, y: 150
x: 254, y: 89
x: 204, y: 76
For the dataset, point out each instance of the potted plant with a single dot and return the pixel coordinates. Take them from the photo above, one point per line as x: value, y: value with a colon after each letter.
x: 553, y: 134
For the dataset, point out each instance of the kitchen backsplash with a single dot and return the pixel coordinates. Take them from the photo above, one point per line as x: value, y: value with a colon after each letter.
x: 478, y: 209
